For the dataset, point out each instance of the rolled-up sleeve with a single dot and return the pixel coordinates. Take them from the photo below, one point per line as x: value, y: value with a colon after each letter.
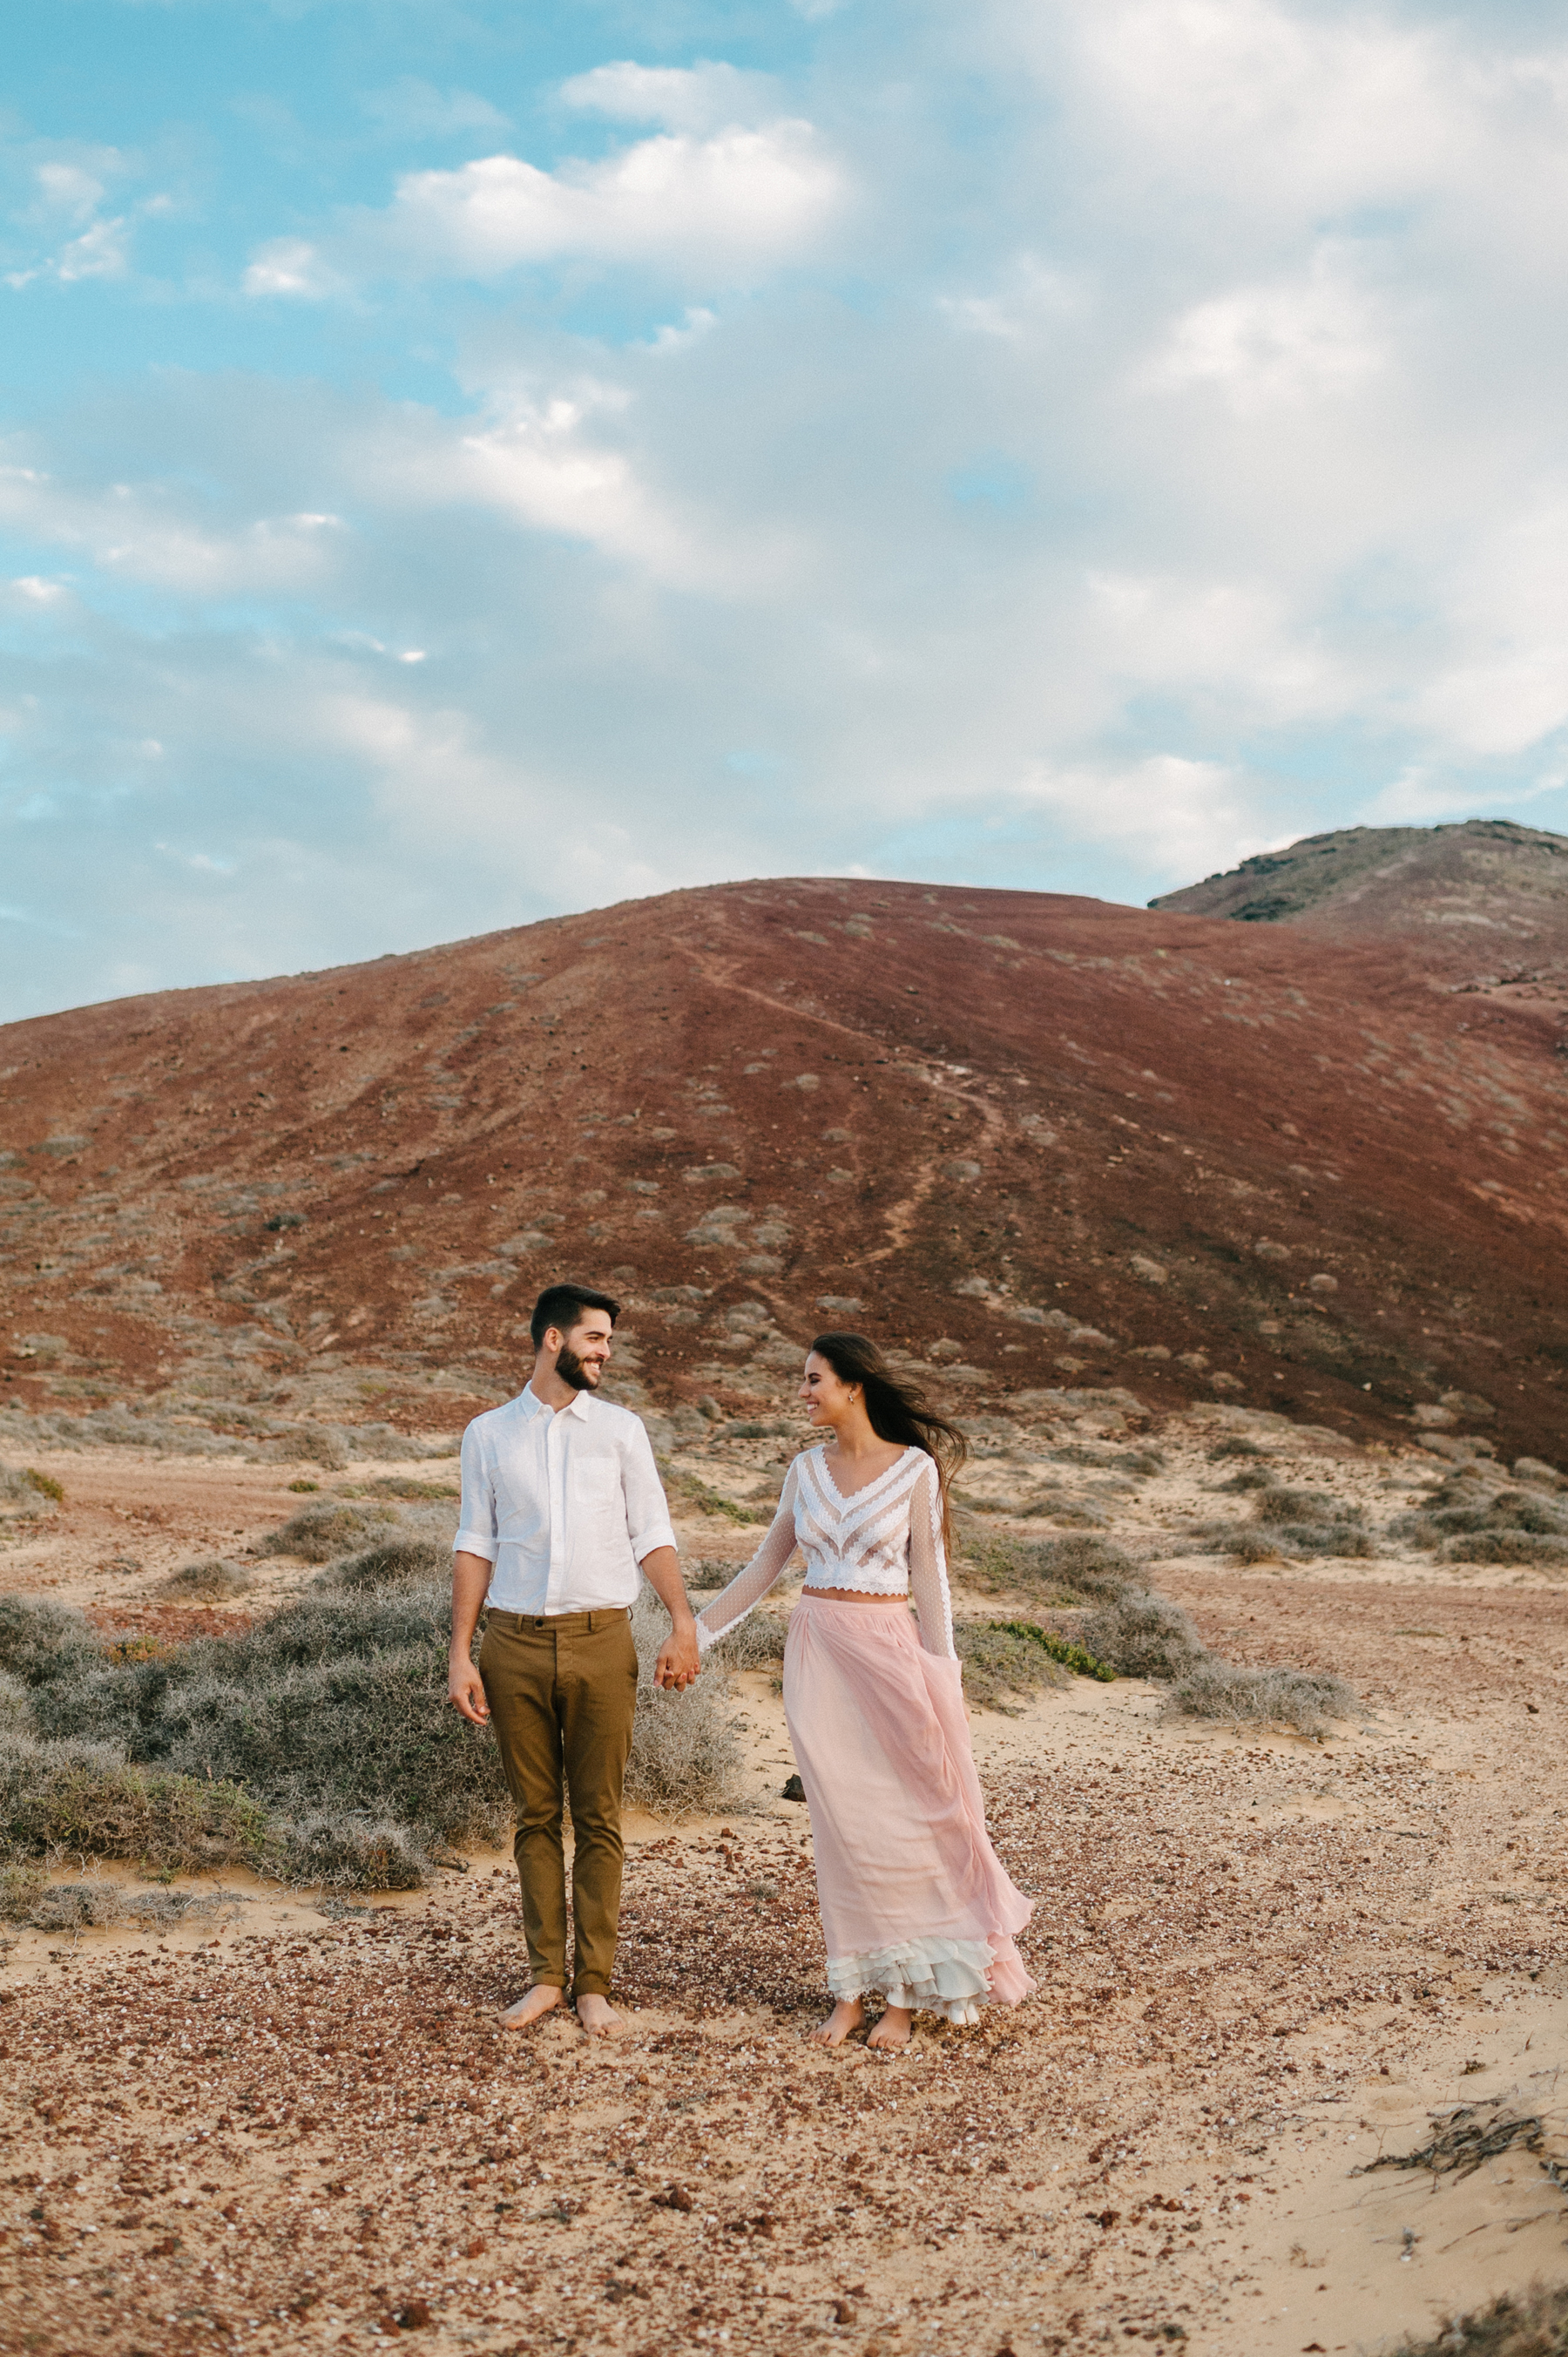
x: 476, y: 1528
x: 646, y: 1508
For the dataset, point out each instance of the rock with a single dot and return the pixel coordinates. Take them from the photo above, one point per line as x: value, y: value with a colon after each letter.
x: 1153, y: 1272
x: 1428, y: 1414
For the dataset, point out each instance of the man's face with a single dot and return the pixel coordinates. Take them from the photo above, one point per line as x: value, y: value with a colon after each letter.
x: 580, y: 1360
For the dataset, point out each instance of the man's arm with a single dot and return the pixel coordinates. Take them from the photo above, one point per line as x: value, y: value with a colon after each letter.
x: 678, y: 1663
x: 470, y: 1586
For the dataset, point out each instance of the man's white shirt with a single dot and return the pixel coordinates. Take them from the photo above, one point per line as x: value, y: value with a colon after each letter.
x: 564, y: 1502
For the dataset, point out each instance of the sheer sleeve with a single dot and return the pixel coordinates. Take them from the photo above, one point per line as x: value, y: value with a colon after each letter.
x: 929, y: 1566
x: 748, y: 1588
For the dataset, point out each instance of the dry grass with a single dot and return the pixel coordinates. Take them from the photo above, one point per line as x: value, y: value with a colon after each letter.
x: 1532, y: 2323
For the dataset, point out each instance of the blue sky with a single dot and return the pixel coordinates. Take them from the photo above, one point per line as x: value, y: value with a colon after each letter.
x: 463, y: 462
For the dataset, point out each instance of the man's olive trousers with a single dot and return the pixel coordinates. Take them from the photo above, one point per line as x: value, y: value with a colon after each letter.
x: 562, y: 1693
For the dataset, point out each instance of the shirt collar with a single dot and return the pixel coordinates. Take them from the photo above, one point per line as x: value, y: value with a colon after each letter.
x: 532, y: 1405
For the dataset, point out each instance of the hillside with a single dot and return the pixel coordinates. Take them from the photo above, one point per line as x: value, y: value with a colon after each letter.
x: 1034, y: 1141
x: 1484, y: 905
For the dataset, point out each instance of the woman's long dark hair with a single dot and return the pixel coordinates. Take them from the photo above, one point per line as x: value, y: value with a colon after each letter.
x: 897, y: 1408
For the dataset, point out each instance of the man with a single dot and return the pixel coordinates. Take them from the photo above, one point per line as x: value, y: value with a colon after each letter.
x: 562, y: 1514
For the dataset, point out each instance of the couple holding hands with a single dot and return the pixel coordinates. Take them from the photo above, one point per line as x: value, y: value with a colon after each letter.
x: 563, y: 1515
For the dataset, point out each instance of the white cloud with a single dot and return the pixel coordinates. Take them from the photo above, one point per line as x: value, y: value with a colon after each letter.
x: 292, y: 266
x: 681, y: 98
x: 150, y: 536
x: 69, y: 189
x: 1293, y: 342
x: 731, y: 203
x: 1173, y: 816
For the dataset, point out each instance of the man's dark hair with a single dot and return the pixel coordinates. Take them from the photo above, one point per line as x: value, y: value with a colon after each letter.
x: 562, y: 1306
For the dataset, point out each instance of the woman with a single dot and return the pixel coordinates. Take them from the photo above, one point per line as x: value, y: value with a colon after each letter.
x: 916, y: 1908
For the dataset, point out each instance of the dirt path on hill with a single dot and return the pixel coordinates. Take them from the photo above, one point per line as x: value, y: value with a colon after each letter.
x: 1262, y: 1964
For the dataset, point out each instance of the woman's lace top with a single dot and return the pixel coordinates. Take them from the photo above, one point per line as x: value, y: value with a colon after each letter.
x: 884, y: 1540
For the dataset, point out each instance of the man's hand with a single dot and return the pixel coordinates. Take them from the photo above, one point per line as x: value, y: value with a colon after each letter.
x: 679, y: 1664
x: 465, y: 1687
x: 466, y: 1690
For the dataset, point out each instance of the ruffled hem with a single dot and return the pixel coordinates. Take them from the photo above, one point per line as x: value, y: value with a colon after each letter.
x: 949, y: 1978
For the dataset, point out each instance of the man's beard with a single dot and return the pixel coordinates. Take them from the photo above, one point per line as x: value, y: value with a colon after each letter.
x: 571, y: 1369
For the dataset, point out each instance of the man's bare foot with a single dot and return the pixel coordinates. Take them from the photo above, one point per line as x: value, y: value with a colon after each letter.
x: 532, y: 2007
x: 847, y: 2015
x: 598, y: 2017
x: 893, y: 2027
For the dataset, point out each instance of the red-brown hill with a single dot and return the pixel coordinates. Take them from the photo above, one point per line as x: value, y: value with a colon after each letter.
x: 1483, y: 904
x: 1055, y: 1141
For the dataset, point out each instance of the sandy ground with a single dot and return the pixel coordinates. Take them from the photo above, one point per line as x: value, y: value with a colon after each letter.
x: 1263, y: 1964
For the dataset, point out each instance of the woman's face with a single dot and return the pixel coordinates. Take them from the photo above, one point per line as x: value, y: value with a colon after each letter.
x: 826, y: 1397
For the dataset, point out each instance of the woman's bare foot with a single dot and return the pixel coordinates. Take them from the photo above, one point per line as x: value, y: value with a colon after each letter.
x: 532, y: 2007
x: 893, y: 2027
x: 847, y: 2015
x: 598, y: 2017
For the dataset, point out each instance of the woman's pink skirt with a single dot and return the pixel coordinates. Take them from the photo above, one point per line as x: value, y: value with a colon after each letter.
x: 916, y: 1907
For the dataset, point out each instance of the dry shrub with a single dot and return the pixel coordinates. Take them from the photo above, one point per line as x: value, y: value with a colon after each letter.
x: 1249, y: 1476
x: 754, y: 1643
x: 320, y: 1532
x: 340, y: 1850
x: 1505, y: 1547
x: 207, y: 1583
x: 334, y: 1707
x: 1305, y: 1506
x: 41, y: 1640
x: 1144, y: 1636
x: 1304, y: 1699
x: 708, y: 1575
x: 1048, y: 1571
x: 79, y: 1801
x: 685, y: 1755
x: 401, y: 1563
x: 1235, y: 1446
x: 21, y: 1887
x: 1532, y: 2323
x: 24, y: 1486
x: 1003, y: 1667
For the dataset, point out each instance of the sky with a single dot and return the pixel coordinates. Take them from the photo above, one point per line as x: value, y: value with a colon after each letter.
x: 461, y: 461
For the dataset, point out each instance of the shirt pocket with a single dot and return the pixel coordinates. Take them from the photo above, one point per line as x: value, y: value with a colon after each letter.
x: 597, y: 1488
